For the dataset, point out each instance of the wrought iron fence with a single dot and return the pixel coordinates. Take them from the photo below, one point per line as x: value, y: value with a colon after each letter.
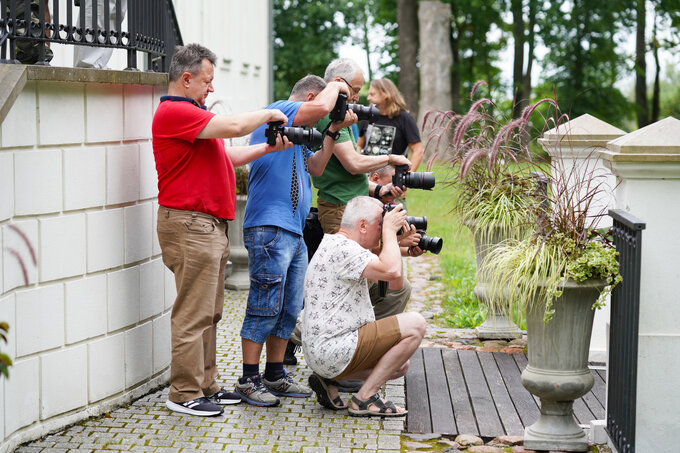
x: 27, y: 26
x: 623, y: 336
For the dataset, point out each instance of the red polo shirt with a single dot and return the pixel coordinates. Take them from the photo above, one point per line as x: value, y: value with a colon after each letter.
x: 193, y: 174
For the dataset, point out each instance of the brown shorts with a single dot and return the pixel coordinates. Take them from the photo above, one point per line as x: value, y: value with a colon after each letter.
x: 330, y: 215
x: 375, y: 339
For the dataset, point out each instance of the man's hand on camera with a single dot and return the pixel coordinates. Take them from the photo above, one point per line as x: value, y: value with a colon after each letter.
x: 394, y: 220
x: 282, y: 143
x: 409, y: 237
x: 415, y: 251
x: 389, y: 193
x: 342, y: 87
x: 398, y: 159
x: 350, y: 118
x: 277, y: 115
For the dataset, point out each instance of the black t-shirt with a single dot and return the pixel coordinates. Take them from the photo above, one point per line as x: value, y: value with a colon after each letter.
x: 390, y: 135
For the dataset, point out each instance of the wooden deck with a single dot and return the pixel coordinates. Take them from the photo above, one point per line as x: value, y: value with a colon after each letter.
x: 474, y: 392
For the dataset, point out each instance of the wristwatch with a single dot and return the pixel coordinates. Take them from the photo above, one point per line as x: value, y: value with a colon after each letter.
x: 335, y: 136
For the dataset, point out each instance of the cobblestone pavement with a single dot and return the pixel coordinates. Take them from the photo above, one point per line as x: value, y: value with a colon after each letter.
x: 297, y: 425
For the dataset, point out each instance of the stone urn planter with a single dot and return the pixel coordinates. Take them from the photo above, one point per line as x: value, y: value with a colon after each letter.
x: 497, y: 325
x: 237, y: 277
x: 558, y: 366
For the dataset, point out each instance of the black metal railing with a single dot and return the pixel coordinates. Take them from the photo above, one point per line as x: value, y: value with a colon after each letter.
x: 27, y: 26
x: 623, y: 334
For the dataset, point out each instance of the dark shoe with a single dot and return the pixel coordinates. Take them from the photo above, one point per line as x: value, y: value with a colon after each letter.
x: 385, y: 409
x: 225, y: 398
x: 350, y: 385
x: 289, y: 356
x: 323, y: 396
x: 254, y: 393
x: 202, y: 407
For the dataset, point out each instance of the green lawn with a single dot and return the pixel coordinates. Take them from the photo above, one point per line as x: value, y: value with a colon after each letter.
x: 457, y: 258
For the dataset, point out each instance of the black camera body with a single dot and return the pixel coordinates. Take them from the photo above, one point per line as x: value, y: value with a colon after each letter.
x: 369, y: 113
x: 416, y: 180
x: 419, y: 222
x: 427, y: 243
x: 297, y: 135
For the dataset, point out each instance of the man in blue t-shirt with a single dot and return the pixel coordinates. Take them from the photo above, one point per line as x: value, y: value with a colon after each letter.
x: 279, y: 199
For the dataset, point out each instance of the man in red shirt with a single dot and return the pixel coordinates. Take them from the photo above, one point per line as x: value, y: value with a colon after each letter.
x: 196, y: 197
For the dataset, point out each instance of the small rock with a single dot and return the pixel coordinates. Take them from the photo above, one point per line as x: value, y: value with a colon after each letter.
x: 422, y: 437
x: 452, y: 335
x: 495, y: 343
x: 521, y: 342
x: 512, y: 350
x: 415, y: 445
x: 452, y: 450
x: 506, y: 441
x: 450, y: 443
x: 427, y: 314
x: 463, y: 347
x: 468, y: 341
x: 484, y: 449
x: 488, y: 349
x: 467, y: 440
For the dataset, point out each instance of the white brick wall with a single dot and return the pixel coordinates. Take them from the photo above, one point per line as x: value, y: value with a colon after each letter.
x: 138, y: 354
x: 138, y: 111
x: 19, y: 127
x: 20, y: 253
x: 37, y: 182
x: 39, y: 319
x: 152, y: 302
x: 85, y: 308
x: 148, y: 177
x: 8, y: 315
x: 123, y: 296
x: 63, y: 381
x: 62, y: 247
x: 84, y: 167
x: 122, y: 174
x: 22, y: 395
x: 2, y: 409
x: 138, y: 232
x: 104, y: 107
x: 161, y: 345
x: 6, y: 185
x: 61, y: 109
x: 107, y: 376
x: 105, y: 236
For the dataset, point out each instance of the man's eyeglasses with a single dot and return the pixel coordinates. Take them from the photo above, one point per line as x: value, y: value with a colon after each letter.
x: 355, y: 91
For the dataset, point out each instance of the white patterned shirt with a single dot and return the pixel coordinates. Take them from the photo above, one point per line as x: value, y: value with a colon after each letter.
x: 337, y: 303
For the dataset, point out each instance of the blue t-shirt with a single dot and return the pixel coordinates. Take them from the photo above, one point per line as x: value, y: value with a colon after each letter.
x: 270, y: 182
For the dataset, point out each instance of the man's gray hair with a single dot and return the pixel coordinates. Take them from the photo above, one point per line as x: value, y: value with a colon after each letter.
x: 358, y: 208
x: 387, y: 170
x: 309, y: 83
x: 342, y: 67
x: 189, y: 59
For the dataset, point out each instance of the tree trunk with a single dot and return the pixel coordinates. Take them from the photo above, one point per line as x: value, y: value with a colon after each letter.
x: 657, y: 74
x: 518, y: 66
x: 367, y: 47
x: 640, y: 67
x: 530, y: 53
x: 407, y: 19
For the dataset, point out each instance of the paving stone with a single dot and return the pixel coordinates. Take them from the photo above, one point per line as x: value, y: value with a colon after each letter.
x: 466, y: 440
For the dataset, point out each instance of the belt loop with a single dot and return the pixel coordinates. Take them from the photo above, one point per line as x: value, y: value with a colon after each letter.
x: 167, y: 213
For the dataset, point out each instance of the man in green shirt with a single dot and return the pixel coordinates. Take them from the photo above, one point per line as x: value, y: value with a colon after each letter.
x: 345, y: 176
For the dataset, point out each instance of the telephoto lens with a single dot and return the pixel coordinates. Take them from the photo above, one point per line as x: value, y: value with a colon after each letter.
x: 419, y: 180
x: 431, y: 244
x: 419, y: 222
x: 304, y: 136
x: 370, y: 113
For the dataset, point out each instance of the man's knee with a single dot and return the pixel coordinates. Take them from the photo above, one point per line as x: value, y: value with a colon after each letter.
x: 412, y: 324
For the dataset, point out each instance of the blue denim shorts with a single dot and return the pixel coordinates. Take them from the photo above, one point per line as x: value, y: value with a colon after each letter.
x: 277, y: 262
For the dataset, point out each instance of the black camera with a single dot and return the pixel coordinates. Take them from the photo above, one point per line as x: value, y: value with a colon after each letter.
x: 369, y: 113
x: 297, y: 135
x: 419, y: 222
x: 431, y: 244
x: 416, y: 180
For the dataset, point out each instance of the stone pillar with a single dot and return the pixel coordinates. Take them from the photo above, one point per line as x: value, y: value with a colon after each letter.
x: 647, y: 165
x: 576, y: 144
x: 238, y: 277
x: 435, y: 57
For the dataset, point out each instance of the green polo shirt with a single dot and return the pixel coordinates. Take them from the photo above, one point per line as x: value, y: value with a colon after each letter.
x: 336, y: 185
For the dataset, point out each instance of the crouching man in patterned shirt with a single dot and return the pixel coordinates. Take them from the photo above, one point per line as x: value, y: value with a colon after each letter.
x: 340, y: 337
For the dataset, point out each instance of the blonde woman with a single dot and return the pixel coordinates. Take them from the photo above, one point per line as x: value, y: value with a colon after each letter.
x: 395, y: 130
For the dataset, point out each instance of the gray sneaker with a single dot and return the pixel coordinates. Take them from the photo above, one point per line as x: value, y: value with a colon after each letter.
x: 254, y: 393
x: 286, y: 386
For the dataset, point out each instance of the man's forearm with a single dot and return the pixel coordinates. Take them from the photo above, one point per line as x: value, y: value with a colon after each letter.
x: 241, y: 155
